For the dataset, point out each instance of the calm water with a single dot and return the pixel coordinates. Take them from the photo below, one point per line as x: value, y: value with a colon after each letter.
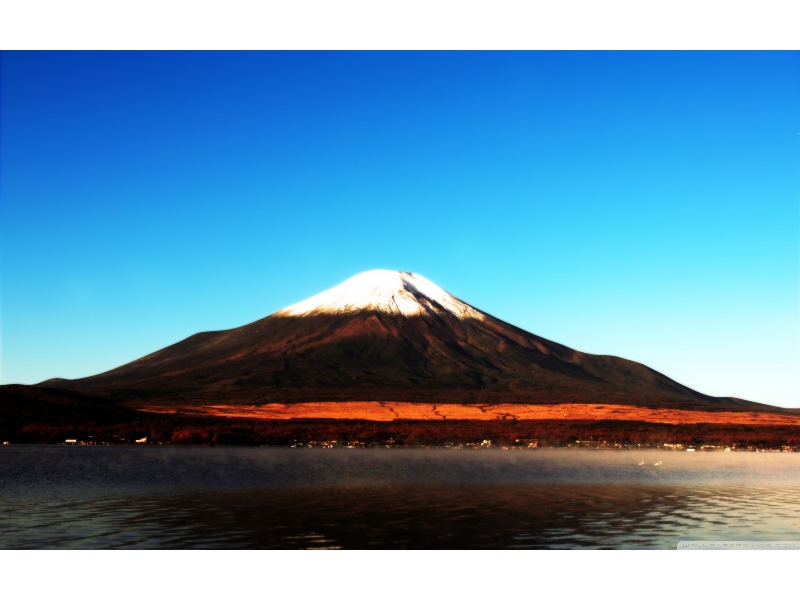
x: 146, y: 497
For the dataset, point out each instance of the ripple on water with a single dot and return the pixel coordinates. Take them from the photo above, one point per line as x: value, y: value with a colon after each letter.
x: 54, y: 497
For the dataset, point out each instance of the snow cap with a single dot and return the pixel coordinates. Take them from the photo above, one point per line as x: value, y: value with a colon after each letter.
x: 394, y: 292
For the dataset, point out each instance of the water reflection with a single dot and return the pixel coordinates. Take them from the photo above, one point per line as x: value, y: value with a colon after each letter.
x: 99, y: 507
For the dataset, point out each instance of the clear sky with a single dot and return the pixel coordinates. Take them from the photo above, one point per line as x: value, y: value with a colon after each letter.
x: 641, y: 204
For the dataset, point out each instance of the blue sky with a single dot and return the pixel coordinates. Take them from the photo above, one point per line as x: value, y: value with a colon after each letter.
x: 641, y: 204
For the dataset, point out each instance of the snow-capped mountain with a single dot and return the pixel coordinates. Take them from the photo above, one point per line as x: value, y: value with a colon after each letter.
x: 384, y: 335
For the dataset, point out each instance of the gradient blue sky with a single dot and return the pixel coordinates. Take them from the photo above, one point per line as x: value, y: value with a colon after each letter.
x: 642, y: 204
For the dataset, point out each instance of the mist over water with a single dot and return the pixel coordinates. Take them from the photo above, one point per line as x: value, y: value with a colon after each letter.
x: 145, y: 497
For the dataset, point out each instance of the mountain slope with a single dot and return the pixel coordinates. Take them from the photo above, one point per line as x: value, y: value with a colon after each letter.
x: 384, y: 335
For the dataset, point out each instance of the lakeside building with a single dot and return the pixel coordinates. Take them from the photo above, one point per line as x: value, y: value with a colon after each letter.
x: 527, y: 442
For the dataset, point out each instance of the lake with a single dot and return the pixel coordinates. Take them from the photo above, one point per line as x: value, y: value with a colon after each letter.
x: 171, y: 497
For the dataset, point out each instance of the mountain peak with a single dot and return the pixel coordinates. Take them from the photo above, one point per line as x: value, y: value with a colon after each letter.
x: 393, y: 292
